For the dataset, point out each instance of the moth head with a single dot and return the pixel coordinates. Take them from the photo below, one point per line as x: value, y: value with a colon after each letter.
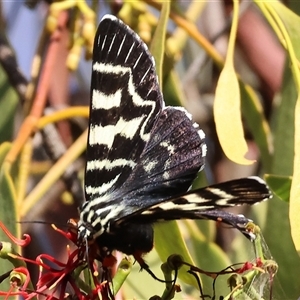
x: 89, y: 225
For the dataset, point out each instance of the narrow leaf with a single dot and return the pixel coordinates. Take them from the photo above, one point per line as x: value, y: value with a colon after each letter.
x: 280, y: 185
x: 295, y: 189
x: 288, y: 22
x: 7, y: 209
x: 286, y: 223
x: 158, y: 42
x: 227, y: 105
x: 8, y: 105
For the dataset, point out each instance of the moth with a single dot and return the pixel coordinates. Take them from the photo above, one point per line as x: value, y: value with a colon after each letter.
x: 143, y: 156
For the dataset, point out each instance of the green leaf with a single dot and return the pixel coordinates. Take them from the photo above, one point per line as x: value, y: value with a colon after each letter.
x: 7, y: 209
x: 292, y: 23
x: 168, y: 240
x: 295, y: 189
x: 172, y: 91
x: 157, y: 47
x: 137, y: 284
x: 283, y: 118
x: 208, y: 255
x: 255, y: 119
x: 280, y: 186
x: 281, y: 219
x: 8, y: 104
x: 277, y: 226
x: 7, y: 194
x: 123, y: 271
x: 289, y: 23
x: 4, y: 148
x: 277, y: 229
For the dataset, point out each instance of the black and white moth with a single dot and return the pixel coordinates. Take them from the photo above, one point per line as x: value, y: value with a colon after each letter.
x: 142, y: 156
